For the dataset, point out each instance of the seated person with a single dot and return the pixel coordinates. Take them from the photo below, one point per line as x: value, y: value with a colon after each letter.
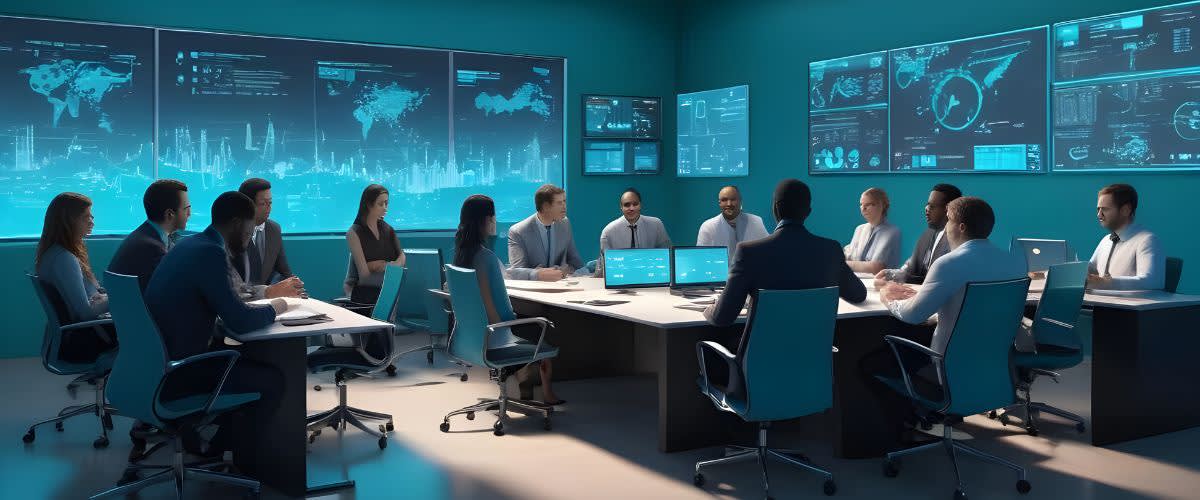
x: 875, y: 245
x: 264, y: 258
x: 477, y: 225
x: 632, y: 229
x: 732, y: 225
x: 542, y: 247
x: 930, y: 246
x: 373, y: 245
x: 62, y: 264
x: 1130, y: 256
x: 167, y: 212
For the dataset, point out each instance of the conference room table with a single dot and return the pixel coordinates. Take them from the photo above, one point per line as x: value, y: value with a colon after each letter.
x: 273, y: 448
x: 1143, y: 380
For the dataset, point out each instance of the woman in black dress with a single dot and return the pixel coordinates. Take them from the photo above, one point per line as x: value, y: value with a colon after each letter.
x: 373, y: 245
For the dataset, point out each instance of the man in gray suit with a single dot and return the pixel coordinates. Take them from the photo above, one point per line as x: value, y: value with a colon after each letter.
x: 263, y: 257
x: 542, y: 247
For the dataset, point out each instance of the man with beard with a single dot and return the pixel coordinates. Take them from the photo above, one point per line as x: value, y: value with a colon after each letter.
x: 932, y: 243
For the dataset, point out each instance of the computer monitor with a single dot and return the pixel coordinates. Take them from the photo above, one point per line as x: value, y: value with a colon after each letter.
x: 1041, y: 254
x: 699, y: 266
x: 637, y: 268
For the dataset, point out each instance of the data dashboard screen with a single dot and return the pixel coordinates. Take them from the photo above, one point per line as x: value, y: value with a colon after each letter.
x: 714, y: 133
x: 1132, y: 42
x: 622, y: 117
x: 848, y: 114
x: 637, y: 267
x: 692, y: 266
x: 971, y: 105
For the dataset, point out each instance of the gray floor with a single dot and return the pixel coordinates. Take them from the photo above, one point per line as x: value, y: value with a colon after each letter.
x: 602, y: 446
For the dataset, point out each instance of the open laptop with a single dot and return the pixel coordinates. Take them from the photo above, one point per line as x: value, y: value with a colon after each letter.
x: 698, y: 270
x: 1041, y: 254
x: 637, y: 268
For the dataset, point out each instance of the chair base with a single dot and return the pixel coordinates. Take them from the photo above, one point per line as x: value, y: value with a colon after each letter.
x: 762, y: 453
x: 99, y: 408
x: 503, y: 405
x: 179, y: 473
x: 1031, y: 409
x: 891, y: 463
x: 433, y: 347
x: 342, y: 414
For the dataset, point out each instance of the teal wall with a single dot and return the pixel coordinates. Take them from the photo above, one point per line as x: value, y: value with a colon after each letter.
x: 768, y: 44
x: 618, y: 47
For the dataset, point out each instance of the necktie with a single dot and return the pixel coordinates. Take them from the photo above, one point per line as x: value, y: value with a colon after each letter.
x: 172, y: 239
x: 259, y: 236
x: 862, y: 253
x: 1114, y: 238
x: 932, y: 248
x: 633, y: 236
x: 549, y: 245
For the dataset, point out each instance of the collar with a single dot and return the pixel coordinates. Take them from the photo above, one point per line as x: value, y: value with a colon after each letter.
x: 1129, y: 230
x: 216, y: 235
x: 260, y: 227
x: 972, y: 243
x: 634, y: 223
x: 162, y: 235
x: 538, y: 218
x: 789, y: 223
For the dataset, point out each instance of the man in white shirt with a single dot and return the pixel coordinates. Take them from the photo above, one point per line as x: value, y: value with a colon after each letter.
x: 1129, y: 257
x: 632, y: 229
x: 732, y: 225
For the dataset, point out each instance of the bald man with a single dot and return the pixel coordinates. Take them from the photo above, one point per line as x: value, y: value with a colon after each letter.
x: 732, y: 225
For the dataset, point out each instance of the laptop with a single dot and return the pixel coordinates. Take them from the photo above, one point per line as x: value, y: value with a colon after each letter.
x: 698, y: 269
x: 1041, y: 254
x: 637, y: 268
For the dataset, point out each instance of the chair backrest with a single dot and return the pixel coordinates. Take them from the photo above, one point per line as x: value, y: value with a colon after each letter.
x: 142, y: 359
x: 56, y: 316
x: 787, y: 364
x: 1061, y: 301
x: 389, y: 294
x: 977, y: 355
x: 423, y: 270
x: 467, y: 341
x: 1174, y: 271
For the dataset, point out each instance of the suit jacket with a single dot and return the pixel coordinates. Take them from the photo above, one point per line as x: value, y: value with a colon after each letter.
x: 139, y: 254
x: 191, y: 288
x: 914, y: 269
x: 526, y: 253
x: 264, y: 262
x: 791, y: 258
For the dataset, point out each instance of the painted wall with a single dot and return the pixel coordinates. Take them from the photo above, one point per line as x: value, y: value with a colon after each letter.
x: 768, y: 45
x: 624, y: 47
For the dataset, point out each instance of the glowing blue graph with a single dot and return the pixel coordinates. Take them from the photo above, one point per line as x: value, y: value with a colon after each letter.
x: 714, y: 133
x: 847, y: 115
x: 1126, y: 44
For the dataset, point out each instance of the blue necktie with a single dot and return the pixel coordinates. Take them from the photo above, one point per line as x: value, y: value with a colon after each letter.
x: 867, y: 248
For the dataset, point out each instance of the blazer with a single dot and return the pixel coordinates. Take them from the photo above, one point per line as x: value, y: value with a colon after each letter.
x: 526, y: 253
x: 264, y: 262
x: 915, y: 268
x: 791, y: 258
x: 191, y: 288
x: 139, y: 254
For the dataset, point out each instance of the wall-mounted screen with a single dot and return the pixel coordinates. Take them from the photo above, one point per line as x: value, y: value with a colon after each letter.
x: 847, y: 114
x: 1129, y: 43
x: 79, y: 116
x: 618, y: 157
x: 622, y: 117
x: 974, y: 105
x: 714, y: 133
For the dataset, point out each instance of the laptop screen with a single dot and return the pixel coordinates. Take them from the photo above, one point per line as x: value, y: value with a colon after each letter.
x: 1041, y: 254
x: 637, y: 268
x: 697, y: 266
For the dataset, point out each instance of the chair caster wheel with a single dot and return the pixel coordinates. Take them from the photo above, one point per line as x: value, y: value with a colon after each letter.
x: 546, y: 424
x: 698, y: 480
x: 1032, y: 431
x: 391, y: 370
x: 389, y: 426
x: 317, y: 387
x: 1080, y: 428
x: 429, y: 357
x: 470, y: 415
x: 1023, y: 486
x: 926, y: 425
x: 107, y: 421
x: 383, y: 442
x: 58, y: 426
x: 891, y: 468
x: 28, y: 437
x: 463, y: 378
x: 445, y: 427
x: 829, y: 487
x: 993, y: 415
x: 498, y: 429
x: 100, y: 442
x: 960, y: 495
x: 313, y: 437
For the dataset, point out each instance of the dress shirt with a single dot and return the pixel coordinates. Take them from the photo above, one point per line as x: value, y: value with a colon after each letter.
x: 1137, y: 263
x: 878, y: 243
x: 718, y: 232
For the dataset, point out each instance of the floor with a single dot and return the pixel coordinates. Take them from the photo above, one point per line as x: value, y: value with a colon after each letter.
x: 603, y: 445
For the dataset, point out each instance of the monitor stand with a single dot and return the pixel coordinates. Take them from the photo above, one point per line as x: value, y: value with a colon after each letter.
x: 694, y: 292
x: 624, y: 291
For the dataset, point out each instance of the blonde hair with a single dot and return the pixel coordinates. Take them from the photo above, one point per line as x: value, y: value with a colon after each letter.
x: 880, y: 196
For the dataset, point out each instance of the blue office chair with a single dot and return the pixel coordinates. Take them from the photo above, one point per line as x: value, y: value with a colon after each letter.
x: 423, y: 271
x: 469, y: 343
x: 140, y: 374
x: 370, y: 353
x: 782, y: 373
x: 972, y: 376
x: 1174, y: 271
x: 1057, y: 344
x: 94, y: 373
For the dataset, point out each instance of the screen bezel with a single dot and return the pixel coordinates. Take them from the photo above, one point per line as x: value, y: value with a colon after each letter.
x: 670, y: 269
x: 675, y: 284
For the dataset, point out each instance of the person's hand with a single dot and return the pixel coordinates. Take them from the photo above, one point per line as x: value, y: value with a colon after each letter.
x: 1036, y: 275
x: 896, y: 291
x: 881, y: 279
x: 377, y: 266
x: 280, y: 305
x: 1097, y: 281
x: 291, y: 287
x: 549, y: 274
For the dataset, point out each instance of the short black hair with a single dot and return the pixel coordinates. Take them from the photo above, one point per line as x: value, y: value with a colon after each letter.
x: 633, y: 190
x: 950, y: 191
x: 231, y: 205
x: 162, y: 195
x: 545, y: 194
x: 975, y: 214
x: 1122, y: 194
x: 793, y: 199
x: 252, y: 186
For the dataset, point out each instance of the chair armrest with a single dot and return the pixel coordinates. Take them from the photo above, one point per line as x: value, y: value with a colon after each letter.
x: 361, y: 346
x: 91, y: 324
x: 183, y: 365
x: 834, y: 349
x: 543, y: 322
x: 899, y: 343
x: 1058, y: 323
x: 721, y: 352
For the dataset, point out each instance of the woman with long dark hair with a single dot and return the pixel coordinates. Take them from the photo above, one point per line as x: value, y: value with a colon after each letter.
x: 476, y: 228
x: 62, y: 264
x: 373, y: 245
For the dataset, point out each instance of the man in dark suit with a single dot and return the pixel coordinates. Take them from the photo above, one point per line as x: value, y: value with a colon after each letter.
x: 932, y: 243
x: 791, y: 258
x: 167, y: 212
x: 264, y: 257
x: 191, y: 288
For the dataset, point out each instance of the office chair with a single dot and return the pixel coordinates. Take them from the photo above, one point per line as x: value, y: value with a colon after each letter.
x: 422, y: 272
x: 140, y: 373
x: 780, y: 374
x: 371, y: 353
x: 1174, y: 271
x: 972, y: 376
x: 1057, y: 346
x: 94, y: 373
x: 469, y: 343
x: 360, y: 308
